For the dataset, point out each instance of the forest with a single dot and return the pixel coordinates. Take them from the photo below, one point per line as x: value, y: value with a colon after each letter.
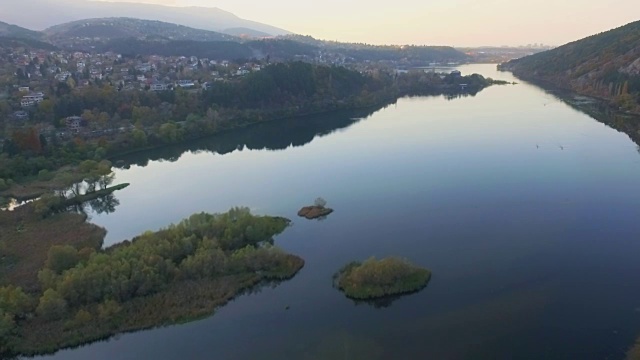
x: 188, y: 269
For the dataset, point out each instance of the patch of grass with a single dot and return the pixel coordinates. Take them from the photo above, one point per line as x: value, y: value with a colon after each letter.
x: 26, y: 238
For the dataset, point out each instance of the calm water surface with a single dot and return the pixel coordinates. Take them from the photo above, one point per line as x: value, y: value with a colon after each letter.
x: 525, y: 209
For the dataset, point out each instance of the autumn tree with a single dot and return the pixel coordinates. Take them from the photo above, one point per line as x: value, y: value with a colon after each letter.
x: 51, y: 306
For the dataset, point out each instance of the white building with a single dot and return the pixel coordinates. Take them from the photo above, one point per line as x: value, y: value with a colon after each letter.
x: 31, y: 99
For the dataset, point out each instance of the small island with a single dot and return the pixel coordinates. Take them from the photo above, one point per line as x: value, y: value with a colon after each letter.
x: 316, y: 211
x: 375, y: 279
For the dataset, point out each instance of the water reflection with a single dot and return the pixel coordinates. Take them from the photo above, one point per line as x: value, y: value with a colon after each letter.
x: 105, y: 203
x: 275, y: 135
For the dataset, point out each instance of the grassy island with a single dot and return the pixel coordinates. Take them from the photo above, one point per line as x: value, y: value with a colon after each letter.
x: 65, y: 290
x: 373, y: 279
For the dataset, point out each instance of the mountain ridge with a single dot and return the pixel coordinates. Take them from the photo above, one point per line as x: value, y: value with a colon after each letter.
x: 44, y: 14
x: 107, y: 29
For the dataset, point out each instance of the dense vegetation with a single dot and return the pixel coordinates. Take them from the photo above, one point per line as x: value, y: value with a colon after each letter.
x: 187, y: 269
x: 373, y: 278
x: 10, y: 42
x: 605, y: 65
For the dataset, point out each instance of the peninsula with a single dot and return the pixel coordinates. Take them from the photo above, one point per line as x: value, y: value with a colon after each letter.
x: 50, y: 299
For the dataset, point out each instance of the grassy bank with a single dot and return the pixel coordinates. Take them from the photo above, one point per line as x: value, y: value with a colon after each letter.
x: 25, y: 240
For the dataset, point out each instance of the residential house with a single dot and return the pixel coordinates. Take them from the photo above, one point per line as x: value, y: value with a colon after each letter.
x: 32, y: 99
x: 159, y: 86
x: 144, y: 67
x: 75, y: 123
x: 185, y: 84
x: 20, y: 115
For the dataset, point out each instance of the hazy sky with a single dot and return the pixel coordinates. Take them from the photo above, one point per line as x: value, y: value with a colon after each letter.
x: 442, y: 22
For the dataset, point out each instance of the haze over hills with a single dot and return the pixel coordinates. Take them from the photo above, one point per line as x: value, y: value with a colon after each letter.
x: 148, y: 37
x: 106, y: 29
x: 43, y: 14
x: 605, y: 65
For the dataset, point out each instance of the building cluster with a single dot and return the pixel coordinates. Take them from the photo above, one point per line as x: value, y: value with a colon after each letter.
x: 36, y: 71
x: 34, y: 76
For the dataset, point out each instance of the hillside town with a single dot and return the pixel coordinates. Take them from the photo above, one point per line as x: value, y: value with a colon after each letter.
x: 31, y: 78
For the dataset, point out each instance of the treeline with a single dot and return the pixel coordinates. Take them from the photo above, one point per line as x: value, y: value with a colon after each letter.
x: 601, y: 65
x: 82, y: 286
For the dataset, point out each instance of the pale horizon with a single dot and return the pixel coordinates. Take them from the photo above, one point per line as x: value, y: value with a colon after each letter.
x: 460, y: 23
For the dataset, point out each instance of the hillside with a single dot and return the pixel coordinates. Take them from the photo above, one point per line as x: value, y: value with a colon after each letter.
x: 215, y: 50
x: 605, y: 65
x: 13, y: 42
x: 106, y: 29
x: 246, y: 33
x: 14, y: 31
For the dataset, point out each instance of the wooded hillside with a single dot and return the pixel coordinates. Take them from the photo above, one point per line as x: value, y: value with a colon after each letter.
x: 605, y: 65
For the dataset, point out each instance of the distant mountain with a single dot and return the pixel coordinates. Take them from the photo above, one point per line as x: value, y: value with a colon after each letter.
x: 246, y: 33
x: 42, y: 14
x: 605, y: 65
x: 107, y: 29
x: 14, y: 31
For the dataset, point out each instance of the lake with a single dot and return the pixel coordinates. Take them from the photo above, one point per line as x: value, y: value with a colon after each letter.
x: 524, y: 208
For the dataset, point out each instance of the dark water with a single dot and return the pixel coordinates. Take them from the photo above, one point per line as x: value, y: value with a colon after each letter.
x: 525, y: 209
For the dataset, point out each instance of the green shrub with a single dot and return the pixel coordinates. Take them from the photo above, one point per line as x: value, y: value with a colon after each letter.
x: 3, y: 185
x: 45, y: 175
